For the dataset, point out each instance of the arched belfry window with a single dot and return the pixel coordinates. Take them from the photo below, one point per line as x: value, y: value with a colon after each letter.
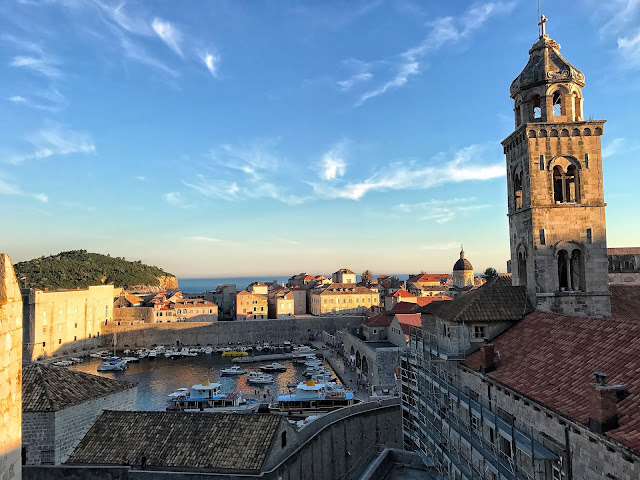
x: 536, y: 106
x: 566, y: 184
x: 571, y: 271
x: 557, y: 104
x: 563, y: 270
x: 517, y: 188
x: 576, y: 106
x: 522, y: 269
x: 576, y: 265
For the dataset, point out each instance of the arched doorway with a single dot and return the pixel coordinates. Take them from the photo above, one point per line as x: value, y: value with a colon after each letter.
x: 365, y: 368
x: 358, y: 360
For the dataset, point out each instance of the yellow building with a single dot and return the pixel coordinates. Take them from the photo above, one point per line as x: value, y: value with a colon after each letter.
x: 196, y: 310
x: 64, y: 322
x: 343, y: 299
x: 251, y: 306
x: 281, y: 303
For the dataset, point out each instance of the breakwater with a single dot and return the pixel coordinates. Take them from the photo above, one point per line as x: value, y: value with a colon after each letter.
x: 296, y: 330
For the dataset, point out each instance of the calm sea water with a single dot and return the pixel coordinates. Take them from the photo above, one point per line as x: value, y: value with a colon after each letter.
x: 199, y: 285
x: 158, y: 378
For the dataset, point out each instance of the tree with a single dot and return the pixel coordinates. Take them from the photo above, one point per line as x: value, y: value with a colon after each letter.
x: 366, y: 276
x: 489, y: 273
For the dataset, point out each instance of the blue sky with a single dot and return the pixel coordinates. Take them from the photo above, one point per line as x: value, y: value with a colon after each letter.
x: 237, y: 138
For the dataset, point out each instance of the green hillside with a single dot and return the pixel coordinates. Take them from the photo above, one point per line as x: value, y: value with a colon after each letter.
x: 78, y: 268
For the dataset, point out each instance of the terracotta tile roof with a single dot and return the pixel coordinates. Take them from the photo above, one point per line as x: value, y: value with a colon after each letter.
x: 427, y: 277
x: 344, y: 270
x: 625, y: 302
x: 407, y: 322
x: 404, y: 307
x: 46, y: 388
x: 179, y: 441
x: 422, y: 301
x: 496, y: 300
x: 403, y: 293
x: 382, y: 319
x: 624, y: 251
x: 551, y: 358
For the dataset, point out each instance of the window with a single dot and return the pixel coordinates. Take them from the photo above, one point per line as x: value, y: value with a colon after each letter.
x: 517, y: 187
x: 565, y: 184
x: 543, y: 237
x: 589, y: 237
x: 522, y: 269
x: 283, y: 439
x: 479, y: 331
x: 535, y: 105
x: 59, y: 341
x: 563, y: 265
x: 556, y: 470
x: 557, y: 104
x: 577, y: 271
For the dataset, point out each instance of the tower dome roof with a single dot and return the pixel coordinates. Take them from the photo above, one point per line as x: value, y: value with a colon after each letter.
x: 546, y: 66
x: 462, y: 264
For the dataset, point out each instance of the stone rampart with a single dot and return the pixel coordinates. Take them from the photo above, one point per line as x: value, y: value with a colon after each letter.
x: 222, y: 333
x: 10, y: 371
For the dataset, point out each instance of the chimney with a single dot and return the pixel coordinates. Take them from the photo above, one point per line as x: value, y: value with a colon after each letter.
x: 603, y: 404
x: 487, y: 357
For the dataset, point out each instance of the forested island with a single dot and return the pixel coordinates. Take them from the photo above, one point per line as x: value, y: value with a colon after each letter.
x: 79, y: 269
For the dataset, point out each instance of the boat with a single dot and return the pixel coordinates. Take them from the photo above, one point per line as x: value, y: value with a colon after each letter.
x: 207, y: 397
x: 259, y: 378
x: 313, y: 363
x: 76, y: 359
x: 152, y: 354
x: 314, y: 396
x: 131, y: 359
x: 208, y: 350
x: 303, y: 350
x: 235, y: 353
x: 248, y: 348
x: 233, y: 370
x: 63, y: 363
x: 114, y: 364
x: 273, y: 367
x: 266, y: 347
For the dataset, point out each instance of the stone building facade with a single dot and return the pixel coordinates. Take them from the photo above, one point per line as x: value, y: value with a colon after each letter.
x: 342, y: 299
x: 59, y: 407
x: 624, y: 266
x: 10, y: 371
x: 556, y: 198
x: 63, y: 322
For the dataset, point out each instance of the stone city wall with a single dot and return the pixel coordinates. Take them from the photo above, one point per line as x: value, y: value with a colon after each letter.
x: 10, y: 371
x: 75, y: 473
x: 295, y: 330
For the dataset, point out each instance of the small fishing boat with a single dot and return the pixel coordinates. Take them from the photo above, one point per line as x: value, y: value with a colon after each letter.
x: 207, y: 397
x: 259, y: 378
x: 233, y: 370
x: 235, y: 353
x: 273, y: 367
x: 113, y: 364
x: 314, y: 396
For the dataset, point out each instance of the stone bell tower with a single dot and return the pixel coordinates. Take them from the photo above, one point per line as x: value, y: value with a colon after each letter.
x: 554, y: 178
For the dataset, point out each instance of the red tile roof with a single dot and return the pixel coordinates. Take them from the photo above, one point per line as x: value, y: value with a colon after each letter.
x: 551, y: 358
x: 403, y: 293
x: 422, y: 301
x: 382, y: 319
x: 404, y: 307
x: 624, y: 251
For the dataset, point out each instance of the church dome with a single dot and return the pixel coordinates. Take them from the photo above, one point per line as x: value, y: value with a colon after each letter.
x: 462, y: 264
x: 546, y: 66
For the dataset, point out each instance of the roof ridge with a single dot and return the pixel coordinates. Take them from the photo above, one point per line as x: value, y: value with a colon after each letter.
x: 44, y: 385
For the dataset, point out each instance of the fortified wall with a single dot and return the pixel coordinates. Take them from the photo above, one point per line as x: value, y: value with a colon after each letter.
x: 10, y: 371
x: 133, y: 333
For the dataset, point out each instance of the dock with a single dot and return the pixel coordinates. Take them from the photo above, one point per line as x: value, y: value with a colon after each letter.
x: 270, y: 357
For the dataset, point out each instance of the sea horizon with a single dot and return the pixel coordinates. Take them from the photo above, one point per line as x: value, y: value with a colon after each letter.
x: 202, y: 284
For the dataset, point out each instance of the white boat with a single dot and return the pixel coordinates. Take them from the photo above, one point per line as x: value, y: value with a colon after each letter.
x: 273, y: 367
x: 131, y: 359
x: 76, y: 359
x: 313, y: 363
x: 302, y: 350
x: 63, y: 363
x: 113, y: 364
x: 152, y: 354
x: 207, y: 397
x: 248, y: 348
x: 259, y: 378
x: 127, y: 351
x: 208, y: 350
x: 234, y: 370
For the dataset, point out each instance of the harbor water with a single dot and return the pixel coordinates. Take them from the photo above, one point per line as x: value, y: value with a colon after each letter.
x: 158, y: 378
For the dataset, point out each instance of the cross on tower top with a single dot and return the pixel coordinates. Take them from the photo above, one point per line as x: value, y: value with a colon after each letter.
x: 541, y: 24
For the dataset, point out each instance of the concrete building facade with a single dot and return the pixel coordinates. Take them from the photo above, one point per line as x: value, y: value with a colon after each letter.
x: 10, y: 371
x: 343, y: 299
x: 63, y: 322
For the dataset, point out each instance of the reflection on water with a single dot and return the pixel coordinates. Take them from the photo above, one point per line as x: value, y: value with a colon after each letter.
x: 158, y: 378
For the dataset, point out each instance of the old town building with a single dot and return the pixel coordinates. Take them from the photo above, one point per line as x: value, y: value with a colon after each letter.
x: 344, y: 275
x: 251, y: 306
x: 624, y: 266
x: 62, y: 322
x: 535, y: 378
x: 10, y: 371
x: 343, y: 299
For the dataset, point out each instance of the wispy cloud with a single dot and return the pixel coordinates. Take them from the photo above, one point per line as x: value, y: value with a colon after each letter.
x: 361, y: 72
x: 202, y: 238
x: 630, y: 50
x: 211, y: 61
x: 10, y: 187
x: 50, y: 100
x: 55, y: 140
x: 17, y: 99
x: 440, y: 211
x: 332, y: 165
x: 139, y: 54
x: 442, y: 31
x: 613, y: 147
x: 22, y: 44
x: 168, y: 34
x: 464, y: 165
x: 141, y: 178
x: 43, y: 65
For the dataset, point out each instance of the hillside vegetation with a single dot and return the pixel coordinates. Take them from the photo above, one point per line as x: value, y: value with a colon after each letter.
x: 78, y: 268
